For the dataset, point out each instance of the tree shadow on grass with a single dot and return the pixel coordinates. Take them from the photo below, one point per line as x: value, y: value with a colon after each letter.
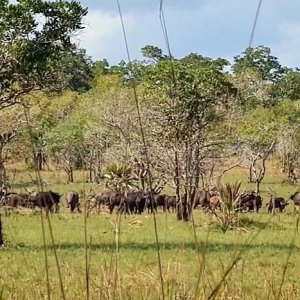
x: 254, y: 224
x: 23, y: 185
x: 209, y: 247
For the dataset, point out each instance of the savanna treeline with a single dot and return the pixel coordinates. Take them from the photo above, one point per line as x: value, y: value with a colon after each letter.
x: 62, y: 110
x: 177, y: 121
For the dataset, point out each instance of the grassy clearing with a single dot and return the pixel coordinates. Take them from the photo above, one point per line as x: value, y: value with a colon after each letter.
x: 258, y: 273
x: 266, y: 248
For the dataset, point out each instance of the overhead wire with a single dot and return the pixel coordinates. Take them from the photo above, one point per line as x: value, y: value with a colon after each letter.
x: 145, y: 152
x: 177, y: 169
x: 255, y: 23
x: 166, y: 38
x: 165, y: 34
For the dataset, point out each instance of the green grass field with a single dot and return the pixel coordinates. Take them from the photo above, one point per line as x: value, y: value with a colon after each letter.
x: 260, y: 260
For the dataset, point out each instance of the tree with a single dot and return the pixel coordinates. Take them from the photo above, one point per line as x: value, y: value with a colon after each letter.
x: 65, y: 143
x: 261, y: 60
x: 289, y: 85
x: 258, y: 76
x: 44, y: 112
x: 79, y: 68
x: 153, y: 53
x: 33, y: 49
x: 45, y: 124
x: 11, y: 123
x: 257, y: 134
x: 253, y: 92
x: 195, y: 59
x: 287, y: 113
x: 101, y: 67
x: 188, y: 96
x: 289, y: 151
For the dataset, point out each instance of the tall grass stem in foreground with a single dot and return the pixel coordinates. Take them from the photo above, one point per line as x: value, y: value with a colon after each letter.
x: 40, y: 188
x: 145, y: 149
x: 86, y: 249
x: 292, y: 244
x: 1, y: 231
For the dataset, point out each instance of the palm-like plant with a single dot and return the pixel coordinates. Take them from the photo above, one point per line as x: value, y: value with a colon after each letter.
x: 229, y: 196
x: 119, y: 178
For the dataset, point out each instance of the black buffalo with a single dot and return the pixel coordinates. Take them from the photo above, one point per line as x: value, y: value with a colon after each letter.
x: 136, y: 202
x: 296, y: 199
x: 249, y: 201
x: 72, y: 199
x: 151, y: 205
x: 160, y: 201
x: 276, y: 202
x: 103, y: 199
x: 201, y: 198
x: 14, y: 199
x: 110, y: 199
x: 17, y: 200
x: 171, y: 203
x: 48, y: 200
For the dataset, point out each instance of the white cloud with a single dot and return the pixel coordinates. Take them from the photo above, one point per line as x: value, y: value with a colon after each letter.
x: 288, y: 46
x: 215, y: 28
x: 196, y: 30
x: 102, y: 31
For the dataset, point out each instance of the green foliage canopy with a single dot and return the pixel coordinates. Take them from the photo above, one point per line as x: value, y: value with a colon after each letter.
x: 261, y: 60
x: 35, y: 39
x: 188, y: 91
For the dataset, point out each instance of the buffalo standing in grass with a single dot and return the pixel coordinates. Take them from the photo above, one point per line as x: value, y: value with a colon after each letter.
x: 202, y: 198
x: 296, y: 199
x: 18, y: 200
x: 116, y: 199
x: 276, y: 202
x: 72, y: 199
x: 15, y: 200
x: 136, y: 202
x: 249, y: 201
x: 171, y: 203
x: 103, y: 199
x: 154, y: 199
x: 111, y: 199
x: 48, y: 200
x: 160, y: 201
x: 166, y: 202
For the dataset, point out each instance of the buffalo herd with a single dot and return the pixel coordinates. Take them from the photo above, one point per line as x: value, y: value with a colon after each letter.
x: 139, y: 201
x: 48, y: 200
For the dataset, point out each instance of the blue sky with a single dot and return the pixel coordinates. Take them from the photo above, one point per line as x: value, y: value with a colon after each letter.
x: 214, y: 28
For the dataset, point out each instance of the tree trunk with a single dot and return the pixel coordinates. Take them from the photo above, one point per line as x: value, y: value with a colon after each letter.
x: 69, y: 170
x: 96, y: 167
x: 197, y: 160
x: 3, y: 178
x: 257, y: 186
x: 71, y: 174
x: 202, y: 180
x: 40, y: 158
x: 196, y: 177
x: 91, y: 179
x: 178, y: 205
x: 189, y: 185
